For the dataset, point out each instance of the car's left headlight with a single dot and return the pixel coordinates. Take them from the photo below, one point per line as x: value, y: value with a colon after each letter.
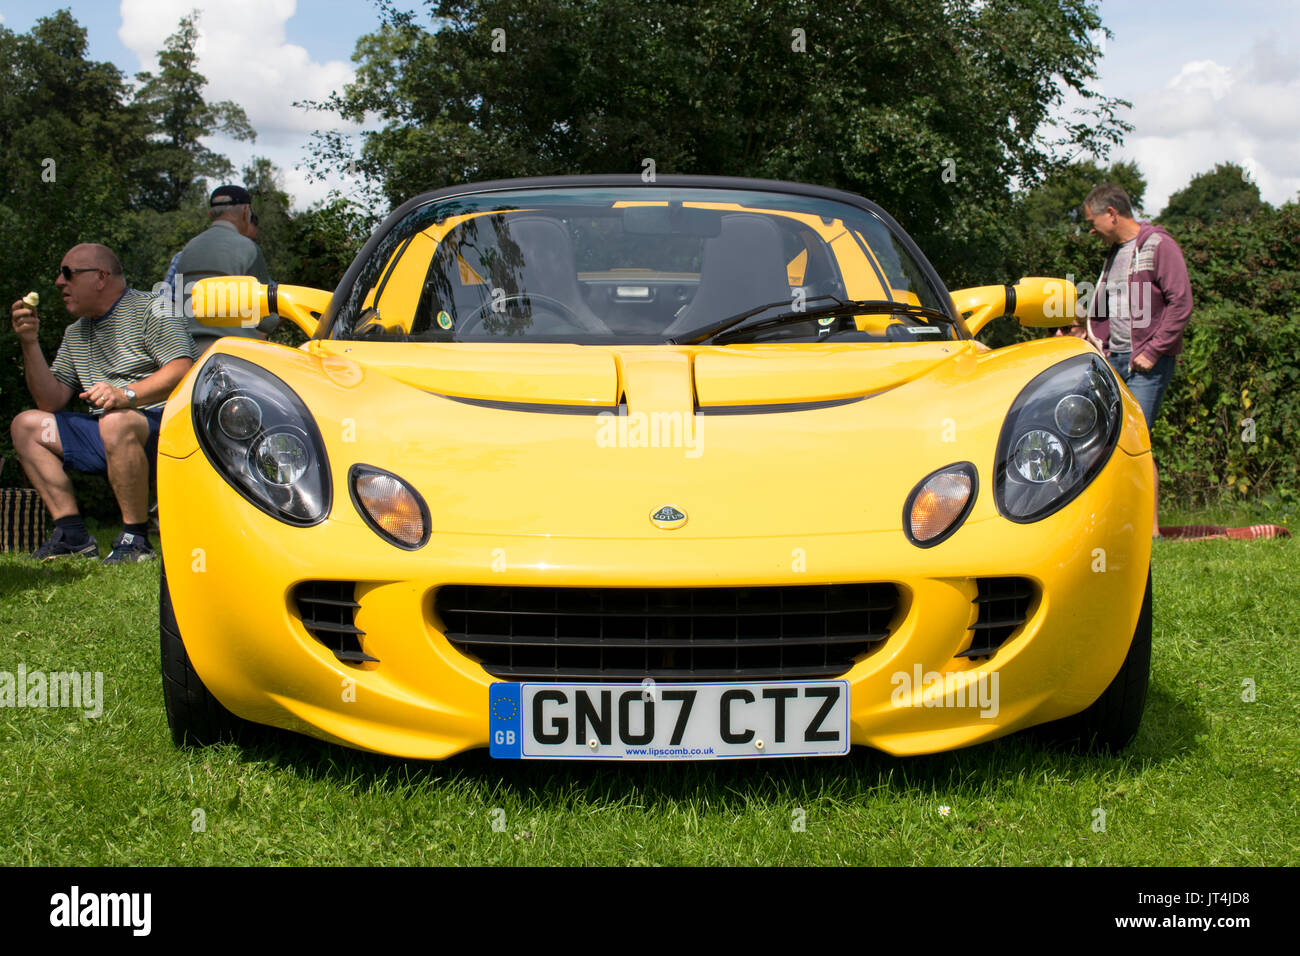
x: 1058, y: 435
x: 259, y: 435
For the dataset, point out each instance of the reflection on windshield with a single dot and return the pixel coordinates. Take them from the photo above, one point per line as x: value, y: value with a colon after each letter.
x: 605, y: 265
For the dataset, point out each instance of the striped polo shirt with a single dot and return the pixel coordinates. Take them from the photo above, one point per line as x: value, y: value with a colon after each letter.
x: 129, y: 342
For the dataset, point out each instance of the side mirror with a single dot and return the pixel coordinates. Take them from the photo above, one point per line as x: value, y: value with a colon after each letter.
x: 1035, y: 301
x: 225, y: 301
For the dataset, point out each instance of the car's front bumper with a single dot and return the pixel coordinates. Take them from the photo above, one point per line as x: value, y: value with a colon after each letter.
x: 232, y: 582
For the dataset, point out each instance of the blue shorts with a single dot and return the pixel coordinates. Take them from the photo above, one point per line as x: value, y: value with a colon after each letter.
x: 83, y: 449
x: 1147, y: 387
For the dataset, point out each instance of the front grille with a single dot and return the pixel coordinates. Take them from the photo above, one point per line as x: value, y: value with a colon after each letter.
x: 598, y: 634
x: 328, y: 611
x: 1002, y: 605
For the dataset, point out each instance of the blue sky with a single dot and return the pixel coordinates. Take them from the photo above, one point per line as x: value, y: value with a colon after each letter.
x: 1210, y: 80
x: 327, y: 28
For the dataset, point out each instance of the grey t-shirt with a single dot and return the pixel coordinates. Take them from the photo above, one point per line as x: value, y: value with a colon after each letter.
x: 221, y: 250
x: 1121, y: 333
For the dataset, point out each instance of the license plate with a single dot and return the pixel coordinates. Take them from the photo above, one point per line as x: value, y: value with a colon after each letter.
x: 650, y: 721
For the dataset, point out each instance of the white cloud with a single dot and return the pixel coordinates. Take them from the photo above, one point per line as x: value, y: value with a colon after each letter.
x: 1207, y: 113
x: 243, y: 53
x: 1202, y: 76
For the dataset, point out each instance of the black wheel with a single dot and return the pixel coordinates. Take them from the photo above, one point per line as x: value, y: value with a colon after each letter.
x: 1111, y: 722
x: 195, y: 717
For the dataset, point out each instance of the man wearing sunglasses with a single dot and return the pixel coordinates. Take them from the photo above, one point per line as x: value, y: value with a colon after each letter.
x: 123, y: 356
x: 225, y: 248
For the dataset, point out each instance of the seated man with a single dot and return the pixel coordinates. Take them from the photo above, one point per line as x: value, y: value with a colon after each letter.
x: 123, y: 356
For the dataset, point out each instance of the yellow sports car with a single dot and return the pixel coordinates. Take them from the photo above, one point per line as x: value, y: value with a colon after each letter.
x: 598, y: 468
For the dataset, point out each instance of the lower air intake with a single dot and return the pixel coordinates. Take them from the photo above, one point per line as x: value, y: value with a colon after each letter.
x: 608, y: 634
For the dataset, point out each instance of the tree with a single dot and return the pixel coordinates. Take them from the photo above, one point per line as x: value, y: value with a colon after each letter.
x: 932, y: 107
x: 173, y: 101
x: 265, y: 183
x: 326, y: 238
x: 69, y: 131
x: 68, y: 134
x: 1226, y: 192
x: 1055, y: 202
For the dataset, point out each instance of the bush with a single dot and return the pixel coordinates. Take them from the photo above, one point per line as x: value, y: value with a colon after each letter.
x: 1228, y: 429
x: 1230, y: 421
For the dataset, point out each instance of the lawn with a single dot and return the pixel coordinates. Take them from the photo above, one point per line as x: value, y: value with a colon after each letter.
x: 1212, y: 778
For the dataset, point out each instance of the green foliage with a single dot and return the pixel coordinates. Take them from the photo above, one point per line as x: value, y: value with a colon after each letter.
x: 930, y: 107
x: 1226, y: 192
x: 1239, y: 377
x: 325, y: 239
x: 1054, y: 203
x: 172, y: 99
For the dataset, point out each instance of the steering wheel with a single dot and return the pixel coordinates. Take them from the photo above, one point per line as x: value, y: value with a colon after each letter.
x: 564, y: 312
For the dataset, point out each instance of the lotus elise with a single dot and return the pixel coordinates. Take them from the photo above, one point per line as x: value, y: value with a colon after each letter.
x: 699, y: 468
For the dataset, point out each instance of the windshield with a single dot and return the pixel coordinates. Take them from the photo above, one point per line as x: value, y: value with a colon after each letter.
x: 640, y: 264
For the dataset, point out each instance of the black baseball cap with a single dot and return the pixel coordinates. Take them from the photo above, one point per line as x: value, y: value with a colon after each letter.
x: 230, y: 196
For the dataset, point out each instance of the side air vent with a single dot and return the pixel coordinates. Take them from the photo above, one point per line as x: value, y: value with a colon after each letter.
x: 328, y: 611
x: 1002, y: 605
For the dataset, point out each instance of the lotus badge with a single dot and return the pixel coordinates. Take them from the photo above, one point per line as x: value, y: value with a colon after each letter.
x: 668, y: 518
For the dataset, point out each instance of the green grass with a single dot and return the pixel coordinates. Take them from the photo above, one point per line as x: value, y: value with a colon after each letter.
x: 1210, y: 780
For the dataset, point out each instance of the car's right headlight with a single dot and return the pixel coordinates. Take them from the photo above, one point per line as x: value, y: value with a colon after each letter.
x: 1058, y: 435
x: 260, y: 437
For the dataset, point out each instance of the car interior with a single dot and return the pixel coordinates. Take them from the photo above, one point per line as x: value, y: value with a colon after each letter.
x: 557, y: 274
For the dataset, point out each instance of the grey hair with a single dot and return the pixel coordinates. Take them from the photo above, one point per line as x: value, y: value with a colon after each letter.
x: 1108, y: 195
x: 225, y: 210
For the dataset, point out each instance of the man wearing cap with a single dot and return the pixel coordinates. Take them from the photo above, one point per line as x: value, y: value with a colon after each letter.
x: 225, y: 248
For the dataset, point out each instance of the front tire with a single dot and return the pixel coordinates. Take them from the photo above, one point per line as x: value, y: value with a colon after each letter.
x: 1112, y: 721
x: 196, y: 718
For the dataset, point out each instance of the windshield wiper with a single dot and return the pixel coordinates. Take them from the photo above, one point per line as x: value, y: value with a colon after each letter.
x: 838, y: 307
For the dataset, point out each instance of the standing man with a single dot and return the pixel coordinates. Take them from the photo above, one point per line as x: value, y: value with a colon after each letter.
x: 1142, y: 303
x: 123, y: 356
x: 225, y: 248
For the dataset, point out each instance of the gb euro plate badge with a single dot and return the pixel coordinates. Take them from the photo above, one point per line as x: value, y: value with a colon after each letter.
x: 648, y: 721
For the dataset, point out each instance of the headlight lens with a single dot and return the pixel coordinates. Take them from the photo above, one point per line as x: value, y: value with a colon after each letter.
x: 260, y: 437
x: 1076, y: 415
x: 240, y: 417
x: 1039, y: 456
x: 281, y: 457
x: 939, y: 503
x: 1059, y: 434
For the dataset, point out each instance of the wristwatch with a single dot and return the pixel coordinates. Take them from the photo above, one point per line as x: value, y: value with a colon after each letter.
x: 130, y: 395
